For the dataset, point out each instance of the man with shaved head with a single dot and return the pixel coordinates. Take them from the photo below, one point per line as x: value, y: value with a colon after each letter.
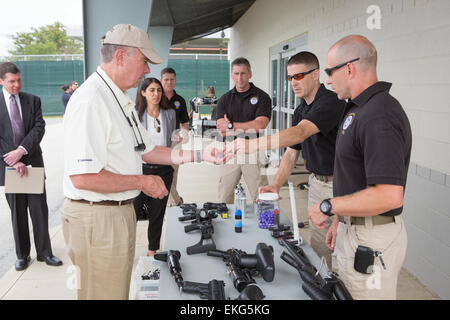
x: 373, y: 149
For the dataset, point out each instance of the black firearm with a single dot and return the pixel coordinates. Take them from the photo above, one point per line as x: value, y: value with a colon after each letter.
x: 203, y: 223
x: 316, y: 287
x: 189, y: 211
x: 218, y: 207
x: 242, y: 266
x: 172, y: 257
x: 213, y: 290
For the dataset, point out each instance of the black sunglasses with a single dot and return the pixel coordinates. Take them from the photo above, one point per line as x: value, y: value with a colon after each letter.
x: 299, y: 76
x: 329, y: 71
x: 157, y: 125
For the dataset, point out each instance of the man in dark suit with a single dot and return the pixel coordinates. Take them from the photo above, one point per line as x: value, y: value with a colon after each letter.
x: 21, y: 130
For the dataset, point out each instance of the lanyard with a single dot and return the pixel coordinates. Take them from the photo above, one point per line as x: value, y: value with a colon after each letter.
x: 140, y: 146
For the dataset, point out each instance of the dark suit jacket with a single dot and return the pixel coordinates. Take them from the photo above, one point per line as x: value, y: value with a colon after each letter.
x: 34, y: 126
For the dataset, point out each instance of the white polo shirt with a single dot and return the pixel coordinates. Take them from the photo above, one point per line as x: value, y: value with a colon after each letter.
x: 97, y: 136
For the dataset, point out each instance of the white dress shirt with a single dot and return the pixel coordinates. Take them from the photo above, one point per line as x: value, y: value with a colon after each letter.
x: 157, y: 137
x: 98, y: 136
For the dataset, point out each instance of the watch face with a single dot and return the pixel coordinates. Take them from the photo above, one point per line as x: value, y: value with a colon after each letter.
x: 230, y: 125
x: 325, y: 206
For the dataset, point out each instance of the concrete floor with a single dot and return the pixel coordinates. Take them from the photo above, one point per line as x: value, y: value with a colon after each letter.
x: 197, y: 183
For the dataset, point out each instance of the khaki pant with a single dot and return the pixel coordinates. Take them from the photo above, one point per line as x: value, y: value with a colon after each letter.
x: 318, y: 191
x: 390, y: 239
x: 174, y: 197
x: 100, y: 241
x: 249, y: 166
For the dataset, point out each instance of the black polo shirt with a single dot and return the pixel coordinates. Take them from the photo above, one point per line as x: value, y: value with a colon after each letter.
x: 326, y: 113
x: 179, y: 105
x: 244, y: 106
x: 373, y: 144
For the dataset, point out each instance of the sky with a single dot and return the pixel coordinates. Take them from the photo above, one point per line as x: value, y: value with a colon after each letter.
x: 21, y: 15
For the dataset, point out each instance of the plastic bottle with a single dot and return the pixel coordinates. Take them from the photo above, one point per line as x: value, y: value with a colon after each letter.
x: 238, y: 226
x: 238, y: 221
x: 267, y: 204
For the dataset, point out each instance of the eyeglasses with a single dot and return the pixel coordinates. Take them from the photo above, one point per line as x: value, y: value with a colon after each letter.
x: 157, y: 125
x: 300, y: 76
x: 329, y: 71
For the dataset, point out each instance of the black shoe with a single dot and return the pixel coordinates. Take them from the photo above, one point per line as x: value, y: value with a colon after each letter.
x: 22, y: 264
x: 51, y: 260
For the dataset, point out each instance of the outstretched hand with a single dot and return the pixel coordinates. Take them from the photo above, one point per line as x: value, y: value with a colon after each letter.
x: 214, y: 155
x: 243, y: 146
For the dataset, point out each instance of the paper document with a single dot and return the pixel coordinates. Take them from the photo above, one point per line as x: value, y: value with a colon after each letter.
x: 31, y: 183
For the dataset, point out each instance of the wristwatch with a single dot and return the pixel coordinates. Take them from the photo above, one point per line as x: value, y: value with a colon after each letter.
x: 230, y: 125
x: 325, y: 207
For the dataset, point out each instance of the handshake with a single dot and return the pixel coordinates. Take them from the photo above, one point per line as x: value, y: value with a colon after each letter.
x: 238, y: 146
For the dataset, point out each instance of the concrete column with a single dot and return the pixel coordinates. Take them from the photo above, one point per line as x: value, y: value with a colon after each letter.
x: 161, y: 38
x: 100, y: 15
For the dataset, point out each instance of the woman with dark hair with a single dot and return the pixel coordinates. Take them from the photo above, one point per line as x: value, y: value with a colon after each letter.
x: 66, y: 95
x: 158, y: 118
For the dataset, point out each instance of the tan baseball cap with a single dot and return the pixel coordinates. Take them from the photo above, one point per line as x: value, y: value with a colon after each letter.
x: 129, y: 35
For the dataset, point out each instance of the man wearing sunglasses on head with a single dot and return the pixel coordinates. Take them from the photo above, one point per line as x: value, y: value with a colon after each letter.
x: 373, y: 149
x: 104, y: 146
x: 313, y: 132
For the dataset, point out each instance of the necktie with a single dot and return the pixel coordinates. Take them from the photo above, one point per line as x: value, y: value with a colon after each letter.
x: 16, y: 121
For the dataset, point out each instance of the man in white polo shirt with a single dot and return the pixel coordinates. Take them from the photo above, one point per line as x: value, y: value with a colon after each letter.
x: 104, y: 145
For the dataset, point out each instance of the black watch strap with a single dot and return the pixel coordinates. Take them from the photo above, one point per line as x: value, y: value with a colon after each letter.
x: 326, y: 207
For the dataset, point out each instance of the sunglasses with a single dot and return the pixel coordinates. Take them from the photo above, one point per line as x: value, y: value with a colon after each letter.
x: 157, y: 125
x: 299, y: 76
x: 329, y: 71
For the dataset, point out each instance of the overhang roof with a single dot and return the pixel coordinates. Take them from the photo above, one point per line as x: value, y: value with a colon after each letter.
x: 193, y: 19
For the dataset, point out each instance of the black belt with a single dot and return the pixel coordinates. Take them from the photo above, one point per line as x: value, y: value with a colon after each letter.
x: 156, y: 166
x: 376, y: 220
x: 104, y: 202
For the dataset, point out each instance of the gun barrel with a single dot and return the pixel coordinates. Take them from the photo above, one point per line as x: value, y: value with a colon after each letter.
x: 191, y: 227
x: 217, y: 253
x: 193, y: 287
x: 314, y: 292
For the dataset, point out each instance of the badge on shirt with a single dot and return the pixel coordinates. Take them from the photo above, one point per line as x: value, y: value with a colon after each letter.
x: 177, y: 104
x: 348, y: 121
x: 254, y: 100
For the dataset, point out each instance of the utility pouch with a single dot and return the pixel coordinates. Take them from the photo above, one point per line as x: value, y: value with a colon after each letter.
x: 364, y: 260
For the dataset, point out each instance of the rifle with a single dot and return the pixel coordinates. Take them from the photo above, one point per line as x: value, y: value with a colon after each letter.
x: 242, y: 266
x: 316, y: 287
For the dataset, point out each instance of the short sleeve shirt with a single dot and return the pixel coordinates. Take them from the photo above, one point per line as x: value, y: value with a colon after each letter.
x: 244, y: 106
x: 373, y: 143
x: 98, y: 136
x: 179, y: 105
x: 319, y: 149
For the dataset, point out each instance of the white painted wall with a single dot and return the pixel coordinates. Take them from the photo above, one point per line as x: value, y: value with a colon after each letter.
x: 414, y: 54
x: 413, y: 47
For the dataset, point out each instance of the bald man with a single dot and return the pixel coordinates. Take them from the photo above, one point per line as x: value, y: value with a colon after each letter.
x: 373, y: 149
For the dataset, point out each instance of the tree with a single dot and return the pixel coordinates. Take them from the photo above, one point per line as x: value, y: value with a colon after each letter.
x: 49, y: 39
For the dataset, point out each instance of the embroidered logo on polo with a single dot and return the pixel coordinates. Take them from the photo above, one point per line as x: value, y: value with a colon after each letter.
x: 177, y: 104
x: 348, y: 121
x: 254, y: 100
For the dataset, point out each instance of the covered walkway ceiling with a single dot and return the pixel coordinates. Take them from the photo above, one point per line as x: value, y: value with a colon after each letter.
x: 193, y: 19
